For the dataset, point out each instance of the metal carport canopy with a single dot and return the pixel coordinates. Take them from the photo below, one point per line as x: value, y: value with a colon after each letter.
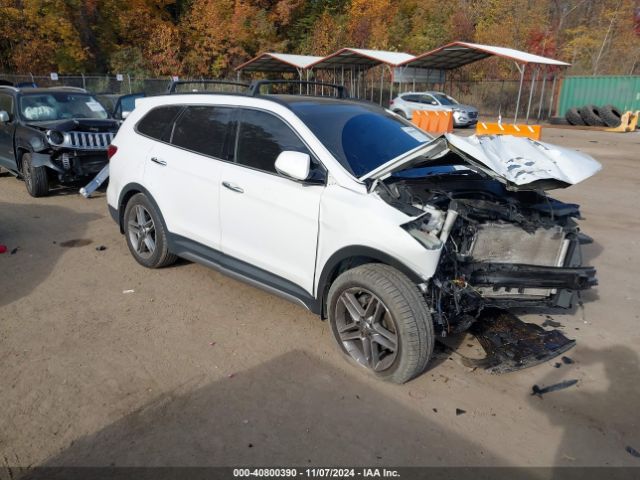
x: 278, y: 62
x: 457, y: 54
x: 362, y: 59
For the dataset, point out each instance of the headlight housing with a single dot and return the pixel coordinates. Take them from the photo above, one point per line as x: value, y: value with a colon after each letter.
x: 55, y: 137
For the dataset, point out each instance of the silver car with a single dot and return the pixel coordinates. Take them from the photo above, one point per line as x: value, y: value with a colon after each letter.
x: 406, y: 103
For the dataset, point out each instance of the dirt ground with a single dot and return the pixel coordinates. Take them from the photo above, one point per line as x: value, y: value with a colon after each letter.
x: 194, y: 368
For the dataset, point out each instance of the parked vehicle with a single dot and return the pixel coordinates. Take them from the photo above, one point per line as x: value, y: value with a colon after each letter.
x: 53, y: 135
x: 119, y: 105
x: 406, y: 103
x: 342, y: 207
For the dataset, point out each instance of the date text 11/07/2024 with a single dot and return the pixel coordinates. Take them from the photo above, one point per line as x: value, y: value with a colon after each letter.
x: 316, y: 472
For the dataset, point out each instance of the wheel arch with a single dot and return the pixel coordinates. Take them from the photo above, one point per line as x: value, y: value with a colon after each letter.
x: 350, y: 257
x: 129, y: 191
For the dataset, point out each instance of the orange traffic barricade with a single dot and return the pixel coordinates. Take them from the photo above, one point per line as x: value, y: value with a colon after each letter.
x: 433, y: 121
x: 533, y: 132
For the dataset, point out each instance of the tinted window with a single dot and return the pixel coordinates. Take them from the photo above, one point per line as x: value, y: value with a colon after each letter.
x: 411, y: 98
x: 445, y: 99
x: 262, y: 137
x: 203, y: 130
x: 6, y: 104
x: 361, y: 137
x: 157, y: 123
x: 429, y: 100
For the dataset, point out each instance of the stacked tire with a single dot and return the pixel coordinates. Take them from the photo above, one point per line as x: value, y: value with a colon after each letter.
x: 593, y: 116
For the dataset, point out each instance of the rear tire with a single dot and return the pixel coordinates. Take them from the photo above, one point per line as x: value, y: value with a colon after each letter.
x: 590, y: 116
x: 145, y: 233
x: 573, y: 117
x: 381, y: 321
x: 36, y: 179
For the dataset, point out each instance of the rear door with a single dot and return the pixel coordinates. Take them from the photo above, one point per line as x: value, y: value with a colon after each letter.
x: 185, y: 173
x: 267, y: 220
x: 7, y: 130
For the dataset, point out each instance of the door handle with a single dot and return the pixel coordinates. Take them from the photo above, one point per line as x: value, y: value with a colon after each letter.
x: 232, y: 187
x: 158, y: 161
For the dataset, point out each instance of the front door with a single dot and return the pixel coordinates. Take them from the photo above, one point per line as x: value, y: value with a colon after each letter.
x: 267, y: 220
x: 7, y: 129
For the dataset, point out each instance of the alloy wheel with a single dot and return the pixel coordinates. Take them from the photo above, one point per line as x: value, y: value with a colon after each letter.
x: 366, y: 329
x: 142, y: 231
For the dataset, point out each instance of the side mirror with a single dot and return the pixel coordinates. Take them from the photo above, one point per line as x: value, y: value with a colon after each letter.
x: 4, y: 116
x: 294, y: 165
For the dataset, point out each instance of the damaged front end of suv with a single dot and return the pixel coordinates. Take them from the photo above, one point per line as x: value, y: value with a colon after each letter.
x: 504, y: 242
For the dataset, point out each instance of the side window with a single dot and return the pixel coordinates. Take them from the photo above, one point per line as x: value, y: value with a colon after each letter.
x: 203, y: 130
x: 429, y: 100
x: 410, y: 98
x: 158, y: 122
x: 6, y: 104
x: 261, y: 138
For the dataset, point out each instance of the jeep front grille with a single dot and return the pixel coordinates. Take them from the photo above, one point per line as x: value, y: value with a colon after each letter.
x: 88, y: 140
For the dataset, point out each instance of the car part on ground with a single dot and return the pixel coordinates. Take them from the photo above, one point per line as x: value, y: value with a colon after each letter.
x: 573, y: 117
x: 610, y: 115
x: 590, y: 115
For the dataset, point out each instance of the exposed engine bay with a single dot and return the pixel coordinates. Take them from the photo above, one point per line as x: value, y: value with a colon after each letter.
x: 502, y: 246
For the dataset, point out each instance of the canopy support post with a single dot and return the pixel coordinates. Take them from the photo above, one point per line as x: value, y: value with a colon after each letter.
x: 533, y: 84
x: 390, y: 84
x: 381, y: 83
x: 553, y: 91
x: 544, y: 81
x: 342, y: 76
x: 521, y: 70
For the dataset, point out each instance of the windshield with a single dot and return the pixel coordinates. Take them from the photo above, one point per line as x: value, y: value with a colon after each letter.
x: 361, y: 137
x: 47, y: 106
x: 445, y: 99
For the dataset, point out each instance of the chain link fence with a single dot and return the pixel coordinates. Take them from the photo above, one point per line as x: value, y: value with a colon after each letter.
x: 490, y: 97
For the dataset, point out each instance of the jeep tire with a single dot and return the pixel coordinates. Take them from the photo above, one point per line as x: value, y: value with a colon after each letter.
x: 36, y: 179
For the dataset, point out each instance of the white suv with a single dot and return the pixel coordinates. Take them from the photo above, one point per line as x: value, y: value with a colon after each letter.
x: 394, y: 236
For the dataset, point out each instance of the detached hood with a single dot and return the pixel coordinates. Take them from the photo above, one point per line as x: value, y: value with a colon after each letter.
x: 520, y: 163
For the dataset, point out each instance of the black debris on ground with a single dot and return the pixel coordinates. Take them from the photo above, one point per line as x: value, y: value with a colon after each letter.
x: 567, y: 360
x: 101, y: 248
x: 460, y: 411
x: 557, y: 365
x: 632, y: 451
x: 536, y: 390
x: 15, y: 250
x: 435, y: 410
x: 549, y: 322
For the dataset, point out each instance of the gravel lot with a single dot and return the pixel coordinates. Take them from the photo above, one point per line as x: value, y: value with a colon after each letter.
x: 194, y: 368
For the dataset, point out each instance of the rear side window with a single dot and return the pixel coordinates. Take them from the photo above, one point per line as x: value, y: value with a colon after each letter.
x: 203, y: 130
x: 411, y: 98
x: 262, y: 137
x: 158, y: 122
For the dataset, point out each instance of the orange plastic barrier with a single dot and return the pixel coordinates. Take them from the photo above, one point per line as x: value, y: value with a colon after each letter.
x: 433, y: 121
x: 531, y: 131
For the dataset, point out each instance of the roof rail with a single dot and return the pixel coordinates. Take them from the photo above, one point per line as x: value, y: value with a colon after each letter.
x: 71, y: 89
x: 254, y: 89
x: 10, y: 87
x: 175, y: 83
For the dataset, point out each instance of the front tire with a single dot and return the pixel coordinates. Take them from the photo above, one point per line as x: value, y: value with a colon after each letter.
x: 145, y: 233
x: 35, y: 178
x: 381, y: 321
